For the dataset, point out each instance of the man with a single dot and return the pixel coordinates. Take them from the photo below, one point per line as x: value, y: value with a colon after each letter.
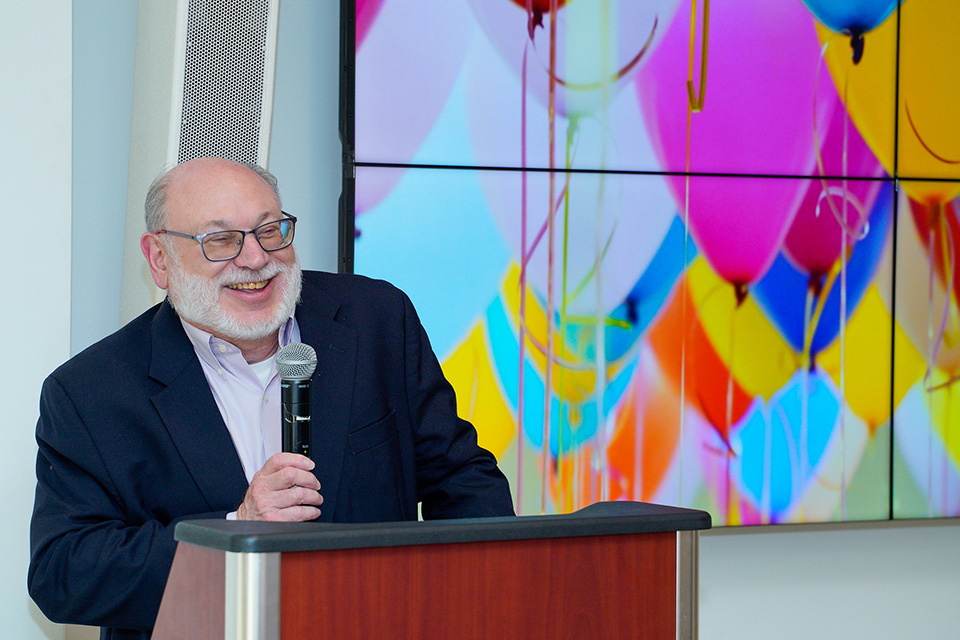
x: 176, y: 415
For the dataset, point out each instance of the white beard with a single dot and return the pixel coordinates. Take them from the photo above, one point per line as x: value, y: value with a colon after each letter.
x: 196, y: 299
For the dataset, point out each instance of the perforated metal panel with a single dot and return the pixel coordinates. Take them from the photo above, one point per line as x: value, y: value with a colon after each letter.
x: 223, y: 83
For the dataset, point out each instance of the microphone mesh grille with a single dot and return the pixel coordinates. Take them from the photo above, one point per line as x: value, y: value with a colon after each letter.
x: 296, y: 361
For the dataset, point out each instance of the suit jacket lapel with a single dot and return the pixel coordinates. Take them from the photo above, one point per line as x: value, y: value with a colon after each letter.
x: 331, y: 388
x: 191, y: 416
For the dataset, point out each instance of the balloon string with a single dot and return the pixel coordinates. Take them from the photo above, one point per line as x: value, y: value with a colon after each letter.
x: 548, y: 378
x: 829, y: 281
x: 729, y: 411
x: 600, y: 248
x: 562, y: 494
x: 695, y: 102
x: 807, y: 364
x: 544, y: 227
x: 826, y: 191
x: 843, y: 367
x: 694, y: 105
x: 843, y: 310
x: 906, y: 108
x: 638, y: 414
x: 522, y: 324
x: 931, y: 355
x: 683, y: 301
x: 766, y: 498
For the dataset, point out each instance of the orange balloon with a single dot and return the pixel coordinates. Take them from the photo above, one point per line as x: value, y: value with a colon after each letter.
x: 706, y: 375
x: 652, y: 410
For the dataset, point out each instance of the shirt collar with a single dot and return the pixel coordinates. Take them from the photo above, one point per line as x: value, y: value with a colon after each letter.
x: 206, y: 345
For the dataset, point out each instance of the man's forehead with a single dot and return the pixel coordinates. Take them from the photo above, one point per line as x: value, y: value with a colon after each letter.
x: 207, y: 191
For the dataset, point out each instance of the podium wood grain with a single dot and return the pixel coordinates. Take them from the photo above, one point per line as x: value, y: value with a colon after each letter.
x: 606, y: 587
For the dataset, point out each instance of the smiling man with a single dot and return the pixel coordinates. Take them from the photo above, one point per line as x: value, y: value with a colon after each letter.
x: 176, y: 416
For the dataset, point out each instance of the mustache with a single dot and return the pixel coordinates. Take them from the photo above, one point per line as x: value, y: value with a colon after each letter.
x: 239, y: 275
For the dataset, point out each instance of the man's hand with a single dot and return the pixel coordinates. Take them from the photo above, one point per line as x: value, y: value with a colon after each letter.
x: 284, y: 490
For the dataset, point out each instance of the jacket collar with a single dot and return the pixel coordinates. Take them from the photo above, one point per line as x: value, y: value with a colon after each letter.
x: 190, y: 414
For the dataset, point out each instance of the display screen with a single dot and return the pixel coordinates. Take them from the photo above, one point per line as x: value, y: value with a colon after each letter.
x: 695, y: 254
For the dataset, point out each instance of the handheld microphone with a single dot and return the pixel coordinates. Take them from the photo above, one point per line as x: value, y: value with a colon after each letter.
x: 296, y: 363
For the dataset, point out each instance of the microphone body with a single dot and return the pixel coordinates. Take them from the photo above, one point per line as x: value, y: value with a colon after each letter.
x: 295, y: 415
x: 296, y: 363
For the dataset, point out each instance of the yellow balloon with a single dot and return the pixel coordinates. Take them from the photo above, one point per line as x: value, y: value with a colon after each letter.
x: 763, y: 361
x: 928, y: 109
x: 479, y: 396
x: 866, y: 361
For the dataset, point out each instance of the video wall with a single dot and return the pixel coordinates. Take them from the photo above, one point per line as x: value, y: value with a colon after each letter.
x: 695, y: 253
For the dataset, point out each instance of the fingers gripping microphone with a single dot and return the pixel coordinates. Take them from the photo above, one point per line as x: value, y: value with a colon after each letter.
x: 296, y: 363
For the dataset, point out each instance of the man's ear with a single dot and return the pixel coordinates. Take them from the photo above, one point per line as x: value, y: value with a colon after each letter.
x: 156, y: 255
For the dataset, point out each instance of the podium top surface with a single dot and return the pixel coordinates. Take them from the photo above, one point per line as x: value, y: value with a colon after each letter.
x: 607, y: 518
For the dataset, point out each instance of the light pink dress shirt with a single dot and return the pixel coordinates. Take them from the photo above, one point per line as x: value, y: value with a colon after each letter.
x: 249, y: 405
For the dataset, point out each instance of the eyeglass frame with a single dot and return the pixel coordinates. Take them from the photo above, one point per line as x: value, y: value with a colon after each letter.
x: 243, y: 237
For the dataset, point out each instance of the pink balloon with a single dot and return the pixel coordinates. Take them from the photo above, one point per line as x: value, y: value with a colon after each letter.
x: 406, y: 69
x: 366, y: 13
x: 589, y: 55
x: 814, y: 241
x: 756, y: 119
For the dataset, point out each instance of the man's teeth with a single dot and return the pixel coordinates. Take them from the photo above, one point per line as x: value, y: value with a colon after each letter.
x: 249, y: 286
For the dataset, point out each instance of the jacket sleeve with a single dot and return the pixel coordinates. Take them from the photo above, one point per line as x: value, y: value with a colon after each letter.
x: 93, y: 559
x: 456, y: 478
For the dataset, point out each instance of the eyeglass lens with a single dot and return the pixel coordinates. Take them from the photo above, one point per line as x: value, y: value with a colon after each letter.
x: 226, y: 245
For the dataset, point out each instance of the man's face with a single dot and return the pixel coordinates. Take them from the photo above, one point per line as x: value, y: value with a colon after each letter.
x: 249, y: 297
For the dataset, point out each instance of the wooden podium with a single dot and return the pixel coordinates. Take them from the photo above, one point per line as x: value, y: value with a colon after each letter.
x: 612, y: 570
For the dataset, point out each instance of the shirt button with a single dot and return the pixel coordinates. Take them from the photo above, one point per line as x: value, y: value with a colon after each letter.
x: 219, y: 370
x: 266, y: 399
x: 223, y: 348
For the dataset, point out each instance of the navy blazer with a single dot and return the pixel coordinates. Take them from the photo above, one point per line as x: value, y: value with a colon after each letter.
x: 131, y: 441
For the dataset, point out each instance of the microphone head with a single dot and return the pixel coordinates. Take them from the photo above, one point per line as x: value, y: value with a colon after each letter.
x: 296, y: 361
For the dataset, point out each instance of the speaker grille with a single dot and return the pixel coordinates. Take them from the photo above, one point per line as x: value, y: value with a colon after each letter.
x: 223, y: 83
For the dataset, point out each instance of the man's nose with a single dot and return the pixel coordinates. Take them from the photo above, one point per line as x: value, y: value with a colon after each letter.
x: 251, y: 256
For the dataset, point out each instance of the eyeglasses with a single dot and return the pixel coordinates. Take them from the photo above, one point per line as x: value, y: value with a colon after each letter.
x: 219, y: 246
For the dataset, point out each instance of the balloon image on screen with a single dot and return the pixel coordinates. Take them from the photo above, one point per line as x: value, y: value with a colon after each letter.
x: 702, y: 253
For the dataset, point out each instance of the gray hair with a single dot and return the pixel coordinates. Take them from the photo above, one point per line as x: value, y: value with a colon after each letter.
x: 155, y: 213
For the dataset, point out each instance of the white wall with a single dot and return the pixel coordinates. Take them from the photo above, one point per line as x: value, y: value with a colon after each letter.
x: 35, y: 322
x: 825, y: 582
x: 304, y: 143
x: 893, y: 581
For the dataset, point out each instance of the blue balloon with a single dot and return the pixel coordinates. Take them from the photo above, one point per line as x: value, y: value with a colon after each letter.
x: 851, y: 16
x: 769, y: 443
x: 782, y: 292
